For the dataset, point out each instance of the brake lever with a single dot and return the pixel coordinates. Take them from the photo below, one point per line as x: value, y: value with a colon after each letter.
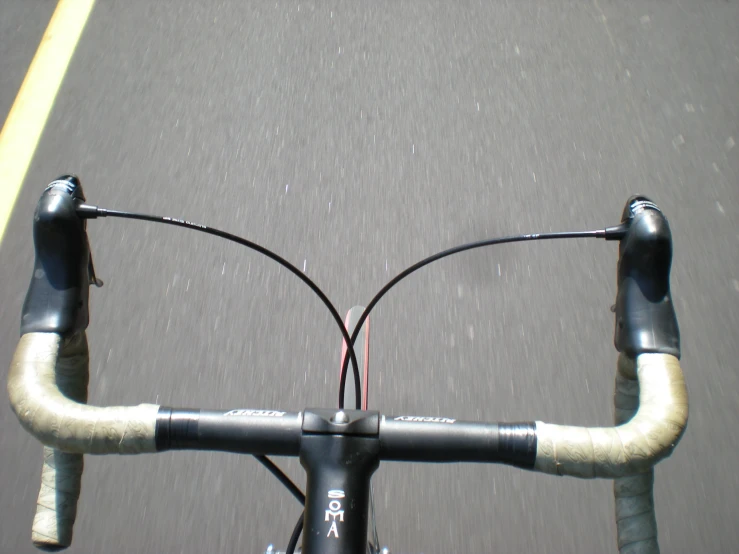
x: 645, y: 315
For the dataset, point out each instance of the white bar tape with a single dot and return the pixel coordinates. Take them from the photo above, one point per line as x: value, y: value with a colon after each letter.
x: 61, y: 474
x: 636, y: 524
x: 633, y: 447
x: 43, y: 364
x: 47, y: 385
x: 56, y: 508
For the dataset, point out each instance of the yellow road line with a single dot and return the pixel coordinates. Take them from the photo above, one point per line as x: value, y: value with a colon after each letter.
x: 27, y: 117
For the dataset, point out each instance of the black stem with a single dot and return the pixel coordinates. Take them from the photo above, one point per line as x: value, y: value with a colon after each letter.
x: 489, y: 242
x: 283, y: 262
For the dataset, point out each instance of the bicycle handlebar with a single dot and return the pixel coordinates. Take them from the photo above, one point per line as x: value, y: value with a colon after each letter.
x: 49, y: 373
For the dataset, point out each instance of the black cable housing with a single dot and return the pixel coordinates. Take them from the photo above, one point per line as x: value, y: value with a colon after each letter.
x: 88, y: 211
x: 438, y: 256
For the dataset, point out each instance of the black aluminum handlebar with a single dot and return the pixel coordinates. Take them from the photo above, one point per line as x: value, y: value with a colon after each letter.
x: 340, y: 450
x: 401, y: 438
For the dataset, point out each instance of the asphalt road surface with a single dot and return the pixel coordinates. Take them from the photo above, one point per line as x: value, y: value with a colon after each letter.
x: 354, y: 139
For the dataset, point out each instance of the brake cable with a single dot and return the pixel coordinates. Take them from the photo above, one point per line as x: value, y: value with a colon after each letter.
x: 438, y: 256
x: 93, y: 211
